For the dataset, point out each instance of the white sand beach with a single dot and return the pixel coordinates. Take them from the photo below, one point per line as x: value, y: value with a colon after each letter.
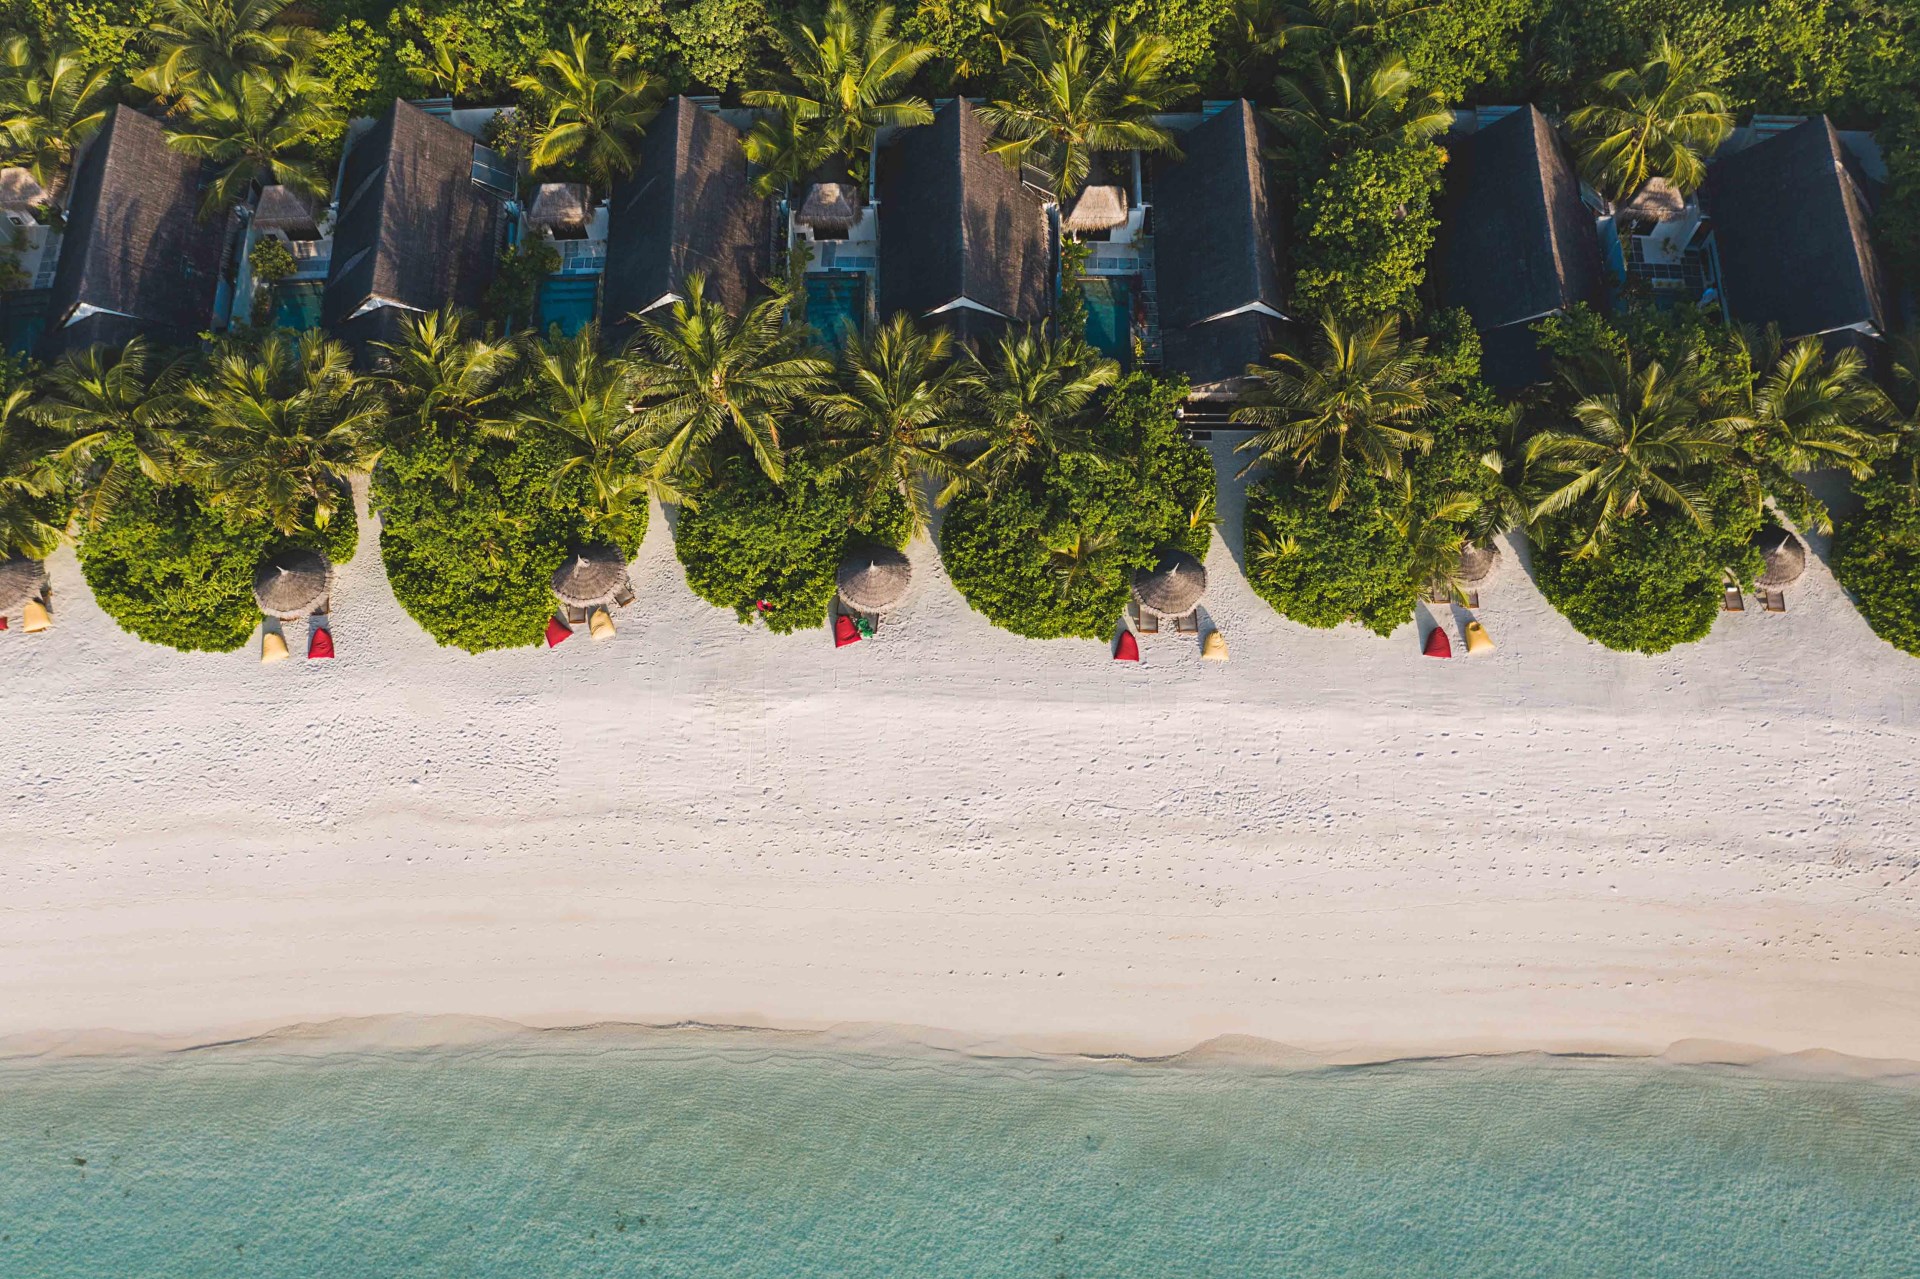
x: 1331, y: 841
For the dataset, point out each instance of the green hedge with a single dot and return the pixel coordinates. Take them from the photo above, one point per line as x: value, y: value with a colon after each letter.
x: 1000, y: 550
x: 474, y: 565
x: 173, y: 571
x: 1876, y: 556
x: 749, y: 539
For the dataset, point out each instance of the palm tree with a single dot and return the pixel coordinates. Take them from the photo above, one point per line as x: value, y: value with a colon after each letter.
x: 1661, y: 119
x: 1026, y: 404
x: 846, y: 80
x: 1338, y: 106
x: 1076, y: 554
x: 1357, y: 400
x: 583, y: 400
x: 1810, y: 412
x: 48, y: 107
x: 597, y: 109
x: 282, y: 428
x: 1639, y: 434
x: 890, y: 420
x: 118, y: 409
x: 257, y: 129
x: 1901, y: 412
x: 29, y: 476
x: 700, y: 375
x: 446, y: 67
x: 1435, y: 527
x: 1264, y: 28
x: 1075, y: 96
x: 785, y: 150
x: 444, y: 387
x: 220, y: 40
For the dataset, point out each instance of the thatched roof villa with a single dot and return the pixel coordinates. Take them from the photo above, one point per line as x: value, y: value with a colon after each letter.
x: 136, y: 259
x: 960, y: 236
x: 415, y: 230
x: 688, y: 206
x: 1793, y: 232
x: 1220, y: 251
x: 1516, y: 241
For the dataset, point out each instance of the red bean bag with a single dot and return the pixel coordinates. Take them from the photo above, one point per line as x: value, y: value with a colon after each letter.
x: 1438, y: 645
x: 557, y: 631
x: 1128, y: 649
x: 845, y: 631
x: 320, y: 644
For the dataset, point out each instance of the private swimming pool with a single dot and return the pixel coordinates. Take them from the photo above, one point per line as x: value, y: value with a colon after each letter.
x: 1110, y: 315
x: 568, y: 301
x: 837, y: 305
x: 296, y: 304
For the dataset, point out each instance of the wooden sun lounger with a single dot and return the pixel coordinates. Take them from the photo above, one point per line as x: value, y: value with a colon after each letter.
x: 1147, y: 623
x: 1188, y: 625
x: 1733, y: 602
x: 1776, y: 601
x: 624, y: 598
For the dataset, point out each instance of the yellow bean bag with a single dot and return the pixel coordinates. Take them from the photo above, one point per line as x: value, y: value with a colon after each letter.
x: 34, y: 617
x: 600, y: 626
x: 1478, y: 641
x: 273, y: 647
x: 1214, y: 647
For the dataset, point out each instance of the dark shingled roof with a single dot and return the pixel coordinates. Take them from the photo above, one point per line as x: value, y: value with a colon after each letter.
x: 413, y: 229
x: 688, y: 206
x: 956, y: 222
x: 134, y: 245
x: 1219, y: 247
x: 1515, y: 242
x: 1792, y: 220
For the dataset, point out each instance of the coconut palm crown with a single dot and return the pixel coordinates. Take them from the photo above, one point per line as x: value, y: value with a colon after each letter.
x: 890, y: 421
x: 29, y: 477
x: 596, y: 108
x: 1661, y: 119
x: 700, y: 376
x: 444, y: 385
x: 1340, y: 105
x: 1357, y: 400
x: 49, y: 106
x: 583, y: 401
x: 846, y: 81
x: 117, y: 409
x: 1075, y: 96
x: 220, y: 40
x: 257, y: 129
x: 1026, y: 403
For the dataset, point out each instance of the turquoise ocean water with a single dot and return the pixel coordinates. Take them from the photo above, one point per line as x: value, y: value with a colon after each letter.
x: 571, y: 1156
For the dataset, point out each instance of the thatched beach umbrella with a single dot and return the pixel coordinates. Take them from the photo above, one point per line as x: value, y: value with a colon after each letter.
x: 20, y: 581
x: 1657, y: 201
x: 874, y: 578
x: 563, y: 208
x: 833, y: 207
x: 591, y: 577
x: 1173, y: 587
x: 293, y: 583
x: 1099, y: 208
x: 1477, y: 564
x: 1786, y: 558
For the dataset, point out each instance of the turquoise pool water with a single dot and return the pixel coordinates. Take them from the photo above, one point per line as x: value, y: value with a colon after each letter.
x: 296, y: 304
x: 1109, y: 315
x: 837, y: 306
x: 581, y: 1156
x: 568, y: 301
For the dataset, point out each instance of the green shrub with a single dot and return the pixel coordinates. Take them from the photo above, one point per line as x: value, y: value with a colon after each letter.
x: 1054, y: 555
x: 1364, y: 231
x: 271, y: 261
x: 1660, y: 581
x: 750, y: 539
x: 1876, y: 556
x: 172, y: 570
x: 474, y: 566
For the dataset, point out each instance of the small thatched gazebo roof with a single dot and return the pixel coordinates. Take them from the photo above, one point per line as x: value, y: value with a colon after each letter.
x: 20, y: 581
x: 19, y: 189
x: 874, y: 578
x: 564, y: 208
x: 1786, y: 557
x: 1657, y: 201
x: 591, y: 577
x: 293, y: 583
x: 831, y: 206
x: 284, y: 209
x: 1099, y: 208
x: 1477, y: 564
x: 1174, y: 587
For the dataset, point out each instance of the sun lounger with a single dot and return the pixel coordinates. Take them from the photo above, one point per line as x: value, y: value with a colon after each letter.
x: 1734, y: 602
x: 1149, y: 623
x: 624, y: 597
x: 1776, y: 601
x: 1188, y: 625
x: 575, y: 616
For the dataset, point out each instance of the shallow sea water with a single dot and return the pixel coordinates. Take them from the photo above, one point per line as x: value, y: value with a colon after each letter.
x: 566, y: 1156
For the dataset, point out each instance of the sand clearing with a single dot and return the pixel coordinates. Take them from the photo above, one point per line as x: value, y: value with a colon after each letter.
x: 1330, y: 841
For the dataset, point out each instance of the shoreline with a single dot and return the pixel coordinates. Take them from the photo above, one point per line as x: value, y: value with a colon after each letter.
x: 1329, y: 842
